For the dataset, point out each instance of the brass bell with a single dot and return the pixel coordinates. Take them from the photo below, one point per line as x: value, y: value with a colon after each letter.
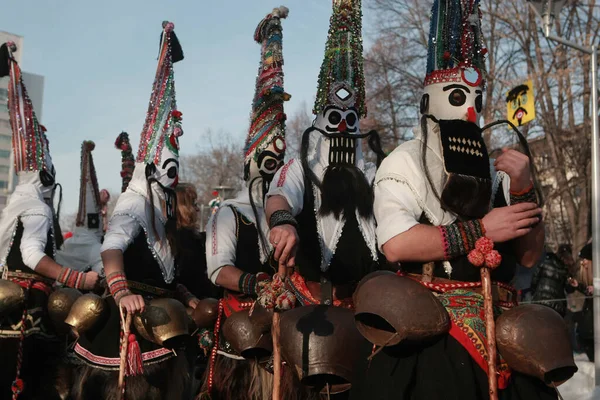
x: 11, y: 296
x: 248, y: 339
x: 391, y: 308
x: 87, y: 311
x: 319, y: 342
x: 534, y: 340
x: 206, y: 312
x: 59, y: 305
x: 164, y: 322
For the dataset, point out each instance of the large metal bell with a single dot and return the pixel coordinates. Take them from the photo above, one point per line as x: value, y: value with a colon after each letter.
x: 164, y: 322
x: 59, y: 305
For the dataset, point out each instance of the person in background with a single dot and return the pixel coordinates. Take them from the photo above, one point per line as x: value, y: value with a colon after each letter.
x: 549, y: 282
x: 191, y: 258
x: 583, y: 317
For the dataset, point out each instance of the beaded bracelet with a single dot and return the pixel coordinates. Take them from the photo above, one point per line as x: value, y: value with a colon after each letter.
x: 526, y: 196
x: 71, y: 278
x: 250, y: 283
x: 117, y: 285
x: 282, y: 217
x: 459, y: 238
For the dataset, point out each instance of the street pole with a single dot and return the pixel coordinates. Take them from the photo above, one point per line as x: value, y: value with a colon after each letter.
x: 595, y: 210
x: 548, y: 19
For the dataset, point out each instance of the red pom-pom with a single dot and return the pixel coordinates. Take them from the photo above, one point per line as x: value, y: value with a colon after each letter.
x: 176, y: 114
x: 493, y: 259
x: 215, y: 193
x: 447, y: 56
x: 17, y: 386
x: 476, y: 258
x: 285, y: 301
x: 484, y: 245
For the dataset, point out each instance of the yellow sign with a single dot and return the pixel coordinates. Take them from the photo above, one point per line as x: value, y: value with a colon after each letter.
x: 521, y: 104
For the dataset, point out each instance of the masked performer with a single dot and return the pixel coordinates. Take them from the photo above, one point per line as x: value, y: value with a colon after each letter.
x: 82, y: 250
x: 238, y: 254
x: 27, y: 249
x: 320, y: 210
x: 435, y: 196
x: 138, y: 256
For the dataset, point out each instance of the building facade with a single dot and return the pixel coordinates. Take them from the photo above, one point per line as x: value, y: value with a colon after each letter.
x: 35, y: 89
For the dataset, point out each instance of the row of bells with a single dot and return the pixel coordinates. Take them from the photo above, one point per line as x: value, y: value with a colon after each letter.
x: 389, y: 310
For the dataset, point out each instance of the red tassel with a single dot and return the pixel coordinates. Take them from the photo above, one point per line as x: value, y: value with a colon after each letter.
x: 135, y: 365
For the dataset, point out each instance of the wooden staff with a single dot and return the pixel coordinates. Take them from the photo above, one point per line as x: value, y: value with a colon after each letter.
x: 124, y: 344
x: 275, y: 333
x: 490, y: 328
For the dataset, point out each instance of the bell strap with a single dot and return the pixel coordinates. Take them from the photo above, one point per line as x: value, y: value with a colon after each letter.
x: 153, y: 290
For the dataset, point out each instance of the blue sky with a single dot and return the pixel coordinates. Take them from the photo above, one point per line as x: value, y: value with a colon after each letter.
x: 99, y: 59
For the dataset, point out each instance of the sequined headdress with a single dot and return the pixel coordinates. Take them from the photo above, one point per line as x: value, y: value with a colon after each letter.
x: 89, y: 192
x: 456, y: 50
x: 127, y: 161
x: 341, y: 80
x: 29, y: 141
x: 268, y: 118
x: 163, y: 120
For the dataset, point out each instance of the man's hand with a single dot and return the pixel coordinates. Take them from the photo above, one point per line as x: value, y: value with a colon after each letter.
x: 91, y: 280
x: 573, y: 282
x: 285, y: 241
x: 590, y: 290
x: 516, y: 165
x: 133, y: 303
x: 193, y: 302
x: 508, y: 223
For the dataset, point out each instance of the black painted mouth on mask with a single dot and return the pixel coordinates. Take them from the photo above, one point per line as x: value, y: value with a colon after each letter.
x: 343, y: 134
x: 170, y: 198
x: 335, y: 130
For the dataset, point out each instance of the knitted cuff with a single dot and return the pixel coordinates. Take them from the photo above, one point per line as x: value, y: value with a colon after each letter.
x: 526, y: 196
x: 250, y: 283
x: 71, y: 278
x: 459, y: 238
x: 282, y: 217
x: 184, y: 294
x: 117, y: 285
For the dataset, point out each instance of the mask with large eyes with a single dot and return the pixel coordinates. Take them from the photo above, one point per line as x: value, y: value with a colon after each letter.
x: 166, y: 171
x: 455, y: 100
x: 336, y: 120
x: 48, y: 181
x: 267, y: 161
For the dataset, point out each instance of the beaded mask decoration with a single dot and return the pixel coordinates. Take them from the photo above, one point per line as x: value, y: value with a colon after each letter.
x: 340, y: 101
x: 127, y: 160
x: 89, y: 212
x: 264, y: 150
x: 456, y: 61
x: 159, y: 142
x: 30, y: 144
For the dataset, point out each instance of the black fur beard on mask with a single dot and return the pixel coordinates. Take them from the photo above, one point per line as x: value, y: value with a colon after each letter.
x: 345, y: 188
x: 468, y: 196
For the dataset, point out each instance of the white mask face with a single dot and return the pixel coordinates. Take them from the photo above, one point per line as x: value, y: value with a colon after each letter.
x: 166, y: 172
x: 268, y: 161
x: 455, y: 100
x: 336, y: 120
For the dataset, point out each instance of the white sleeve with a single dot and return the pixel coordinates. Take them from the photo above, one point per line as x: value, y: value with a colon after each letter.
x: 289, y: 183
x: 34, y: 239
x: 221, y: 242
x: 396, y: 210
x: 122, y: 231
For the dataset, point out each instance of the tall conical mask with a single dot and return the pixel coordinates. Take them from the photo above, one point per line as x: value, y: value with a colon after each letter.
x: 340, y: 101
x: 32, y: 160
x: 89, y: 214
x: 264, y: 150
x: 455, y: 62
x: 159, y: 142
x: 127, y: 160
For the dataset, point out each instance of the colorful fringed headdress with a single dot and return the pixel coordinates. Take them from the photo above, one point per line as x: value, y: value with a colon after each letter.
x: 29, y: 141
x: 90, y: 206
x: 163, y: 120
x: 456, y: 50
x: 341, y: 80
x: 127, y: 161
x: 268, y: 118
